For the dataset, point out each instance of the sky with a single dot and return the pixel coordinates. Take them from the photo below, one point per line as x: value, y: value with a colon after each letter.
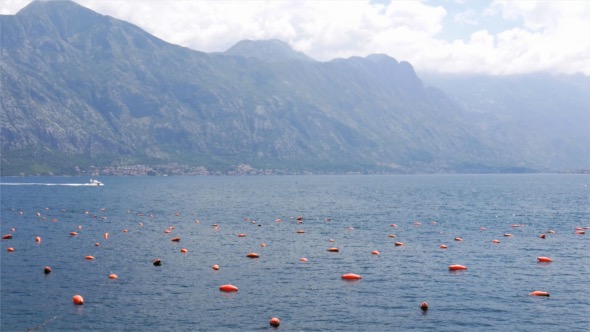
x: 450, y: 36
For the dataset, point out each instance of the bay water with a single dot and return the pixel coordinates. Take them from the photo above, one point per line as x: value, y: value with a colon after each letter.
x: 355, y: 213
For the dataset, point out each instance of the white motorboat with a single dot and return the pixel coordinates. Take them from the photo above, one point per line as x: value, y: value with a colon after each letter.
x: 95, y: 183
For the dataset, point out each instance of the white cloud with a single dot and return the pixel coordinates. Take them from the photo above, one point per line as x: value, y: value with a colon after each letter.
x: 512, y: 36
x: 468, y: 17
x: 9, y: 7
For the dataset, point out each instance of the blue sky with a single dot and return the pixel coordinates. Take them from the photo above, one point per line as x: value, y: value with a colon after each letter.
x: 458, y: 36
x: 463, y: 18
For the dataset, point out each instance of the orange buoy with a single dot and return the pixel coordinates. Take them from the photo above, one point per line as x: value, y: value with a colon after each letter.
x: 184, y: 250
x: 443, y: 246
x: 106, y: 236
x: 89, y: 257
x: 482, y: 228
x: 97, y: 244
x: 300, y: 231
x: 275, y: 322
x: 542, y: 236
x: 166, y: 231
x: 157, y: 262
x: 10, y: 249
x: 542, y: 259
x: 215, y: 267
x: 252, y: 255
x: 333, y: 249
x: 6, y: 236
x: 399, y: 244
x: 228, y: 288
x: 47, y: 270
x: 125, y: 231
x: 539, y: 293
x: 424, y: 305
x: 73, y: 233
x: 78, y: 299
x: 458, y: 239
x: 37, y: 239
x: 351, y: 276
x: 551, y: 232
x: 375, y: 252
x: 263, y: 245
x: 457, y: 267
x: 303, y: 259
x: 176, y: 239
x: 113, y: 276
x: 507, y: 234
x: 241, y: 235
x: 393, y: 225
x: 391, y: 236
x: 495, y: 241
x: 580, y: 232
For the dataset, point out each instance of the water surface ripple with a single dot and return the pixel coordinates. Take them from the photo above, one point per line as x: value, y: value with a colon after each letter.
x: 353, y: 213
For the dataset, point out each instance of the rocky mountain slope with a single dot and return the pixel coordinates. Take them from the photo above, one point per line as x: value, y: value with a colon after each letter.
x: 80, y: 88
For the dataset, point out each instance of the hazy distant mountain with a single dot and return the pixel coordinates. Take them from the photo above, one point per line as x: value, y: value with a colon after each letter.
x: 537, y: 119
x: 80, y: 89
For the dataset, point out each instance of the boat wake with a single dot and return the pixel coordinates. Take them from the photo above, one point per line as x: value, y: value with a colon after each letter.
x: 92, y: 183
x: 48, y: 184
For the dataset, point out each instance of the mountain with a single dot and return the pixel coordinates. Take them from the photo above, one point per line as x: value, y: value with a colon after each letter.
x: 267, y: 50
x: 541, y: 119
x: 81, y: 89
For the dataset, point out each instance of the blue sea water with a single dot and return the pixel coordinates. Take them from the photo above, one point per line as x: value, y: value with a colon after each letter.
x: 353, y: 213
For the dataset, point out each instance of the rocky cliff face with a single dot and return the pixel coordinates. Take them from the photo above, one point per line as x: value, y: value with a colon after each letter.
x: 80, y: 88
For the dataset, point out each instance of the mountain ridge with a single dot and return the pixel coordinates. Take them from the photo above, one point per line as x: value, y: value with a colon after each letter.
x: 104, y: 92
x: 273, y: 50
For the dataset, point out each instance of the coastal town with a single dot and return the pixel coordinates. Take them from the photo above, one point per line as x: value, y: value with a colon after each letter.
x: 241, y: 169
x: 178, y: 169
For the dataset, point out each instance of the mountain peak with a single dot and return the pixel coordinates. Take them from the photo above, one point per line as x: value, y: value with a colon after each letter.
x: 63, y: 18
x: 52, y: 6
x: 271, y: 50
x: 381, y: 58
